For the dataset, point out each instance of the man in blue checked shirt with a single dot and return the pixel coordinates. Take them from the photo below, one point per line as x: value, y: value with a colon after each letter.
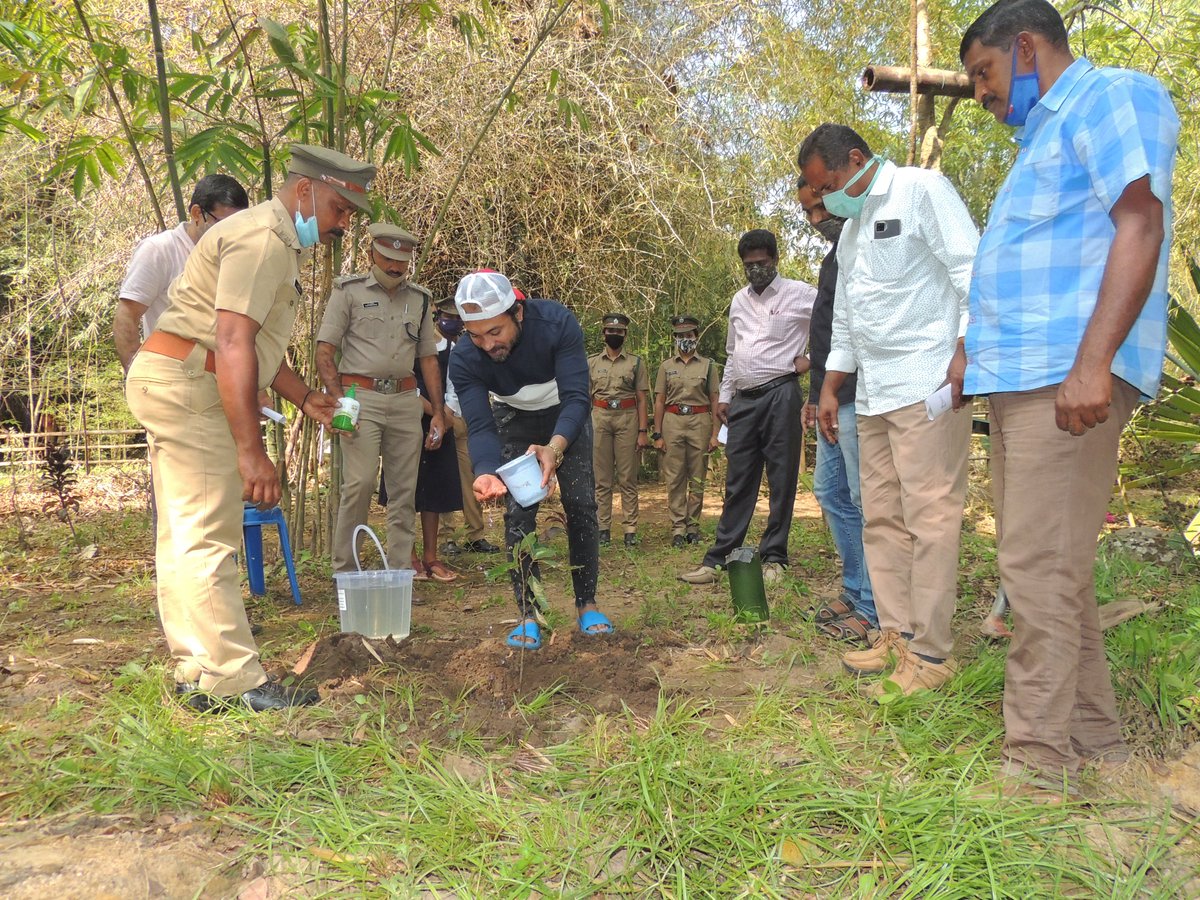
x: 1067, y: 330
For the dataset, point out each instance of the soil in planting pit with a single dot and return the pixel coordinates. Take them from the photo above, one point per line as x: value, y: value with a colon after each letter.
x: 603, y: 673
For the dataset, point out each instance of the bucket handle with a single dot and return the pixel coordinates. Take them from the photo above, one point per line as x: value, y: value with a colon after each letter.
x: 371, y: 535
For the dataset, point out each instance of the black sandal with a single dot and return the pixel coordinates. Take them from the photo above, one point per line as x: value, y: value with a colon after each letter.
x: 833, y: 610
x: 853, y: 629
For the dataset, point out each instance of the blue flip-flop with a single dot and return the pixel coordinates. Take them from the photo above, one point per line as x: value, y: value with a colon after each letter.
x: 592, y: 618
x: 528, y: 629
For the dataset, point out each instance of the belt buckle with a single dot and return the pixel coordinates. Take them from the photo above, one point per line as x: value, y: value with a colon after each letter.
x: 614, y: 404
x: 684, y: 409
x: 385, y: 385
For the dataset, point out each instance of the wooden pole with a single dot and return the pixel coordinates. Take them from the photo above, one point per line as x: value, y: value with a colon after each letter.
x: 898, y: 80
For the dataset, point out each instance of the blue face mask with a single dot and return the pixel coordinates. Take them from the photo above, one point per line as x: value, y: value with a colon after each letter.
x: 1023, y: 93
x: 306, y: 229
x: 841, y: 204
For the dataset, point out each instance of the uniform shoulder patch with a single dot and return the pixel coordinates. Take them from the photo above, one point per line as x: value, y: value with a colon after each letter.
x: 343, y: 280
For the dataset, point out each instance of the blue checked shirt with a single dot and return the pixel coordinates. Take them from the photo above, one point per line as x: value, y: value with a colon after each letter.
x: 1042, y: 257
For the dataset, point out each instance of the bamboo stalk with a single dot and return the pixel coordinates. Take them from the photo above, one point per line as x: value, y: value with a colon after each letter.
x: 897, y: 80
x: 164, y: 109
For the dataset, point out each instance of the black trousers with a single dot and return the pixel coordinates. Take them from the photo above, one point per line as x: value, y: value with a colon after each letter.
x: 763, y: 431
x: 577, y: 490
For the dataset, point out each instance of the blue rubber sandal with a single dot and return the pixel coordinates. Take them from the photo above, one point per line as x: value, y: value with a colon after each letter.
x: 530, y: 631
x: 594, y: 617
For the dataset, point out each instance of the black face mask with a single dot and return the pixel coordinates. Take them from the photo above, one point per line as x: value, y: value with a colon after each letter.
x: 615, y: 341
x: 831, y: 228
x: 760, y: 274
x: 450, y: 326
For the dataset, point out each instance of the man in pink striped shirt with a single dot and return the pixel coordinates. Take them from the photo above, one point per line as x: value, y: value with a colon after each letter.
x: 761, y: 403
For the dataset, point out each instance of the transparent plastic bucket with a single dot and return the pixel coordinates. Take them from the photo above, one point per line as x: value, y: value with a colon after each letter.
x: 378, y: 602
x: 523, y: 478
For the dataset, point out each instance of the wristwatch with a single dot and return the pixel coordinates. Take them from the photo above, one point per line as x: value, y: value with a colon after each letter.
x: 655, y: 436
x: 558, y: 455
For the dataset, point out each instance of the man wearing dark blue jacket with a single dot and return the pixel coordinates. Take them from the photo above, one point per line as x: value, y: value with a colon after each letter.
x: 530, y: 355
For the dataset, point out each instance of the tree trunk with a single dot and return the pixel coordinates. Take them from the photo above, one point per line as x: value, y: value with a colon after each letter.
x: 164, y: 110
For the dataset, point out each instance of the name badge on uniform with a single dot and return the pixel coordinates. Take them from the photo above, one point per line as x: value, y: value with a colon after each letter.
x: 371, y: 305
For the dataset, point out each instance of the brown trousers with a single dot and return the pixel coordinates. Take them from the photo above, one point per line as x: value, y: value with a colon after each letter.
x: 1051, y: 492
x: 684, y: 468
x: 913, y: 474
x: 615, y: 461
x: 193, y: 462
x: 472, y: 513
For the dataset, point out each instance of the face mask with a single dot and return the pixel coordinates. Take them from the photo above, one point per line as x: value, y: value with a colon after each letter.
x: 450, y: 326
x: 760, y: 275
x: 841, y: 204
x: 615, y: 341
x: 1023, y: 93
x: 389, y: 282
x: 685, y: 345
x: 831, y: 228
x: 306, y: 229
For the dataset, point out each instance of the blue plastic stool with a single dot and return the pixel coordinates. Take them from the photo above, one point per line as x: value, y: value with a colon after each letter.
x: 253, y: 520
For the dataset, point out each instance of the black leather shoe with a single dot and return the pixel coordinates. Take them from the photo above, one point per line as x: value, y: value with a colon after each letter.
x: 276, y: 695
x: 483, y: 545
x: 693, y: 537
x: 631, y: 540
x: 677, y: 541
x: 605, y: 537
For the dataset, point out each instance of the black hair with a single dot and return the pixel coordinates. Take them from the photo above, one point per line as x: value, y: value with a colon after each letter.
x: 1001, y: 22
x: 758, y: 239
x: 801, y: 182
x: 832, y: 143
x: 218, y: 190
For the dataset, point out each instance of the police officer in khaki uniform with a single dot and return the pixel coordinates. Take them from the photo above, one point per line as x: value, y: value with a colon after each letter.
x: 382, y: 324
x: 685, y: 427
x: 194, y: 386
x: 619, y: 386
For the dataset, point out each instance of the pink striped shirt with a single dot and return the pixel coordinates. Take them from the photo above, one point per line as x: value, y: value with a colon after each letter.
x: 767, y: 332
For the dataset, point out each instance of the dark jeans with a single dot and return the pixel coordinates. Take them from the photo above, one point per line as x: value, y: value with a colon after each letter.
x: 763, y: 431
x: 577, y: 490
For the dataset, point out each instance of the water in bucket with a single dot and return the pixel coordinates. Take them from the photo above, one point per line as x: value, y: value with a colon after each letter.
x: 375, y: 603
x: 523, y: 478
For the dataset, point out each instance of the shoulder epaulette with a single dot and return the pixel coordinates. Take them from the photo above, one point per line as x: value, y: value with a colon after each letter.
x: 343, y: 280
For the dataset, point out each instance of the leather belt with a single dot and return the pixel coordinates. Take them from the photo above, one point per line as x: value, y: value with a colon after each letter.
x: 175, y: 347
x: 767, y: 387
x: 683, y: 409
x: 627, y: 403
x: 382, y: 385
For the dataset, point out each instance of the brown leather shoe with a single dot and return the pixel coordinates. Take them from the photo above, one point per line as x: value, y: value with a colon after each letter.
x: 915, y: 674
x: 882, y: 655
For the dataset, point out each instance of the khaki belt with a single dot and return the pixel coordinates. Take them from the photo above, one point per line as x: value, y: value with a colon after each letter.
x: 175, y: 347
x: 627, y: 403
x: 683, y: 409
x: 382, y: 385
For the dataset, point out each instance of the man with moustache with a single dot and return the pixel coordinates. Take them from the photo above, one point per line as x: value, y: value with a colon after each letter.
x: 381, y: 324
x: 194, y: 386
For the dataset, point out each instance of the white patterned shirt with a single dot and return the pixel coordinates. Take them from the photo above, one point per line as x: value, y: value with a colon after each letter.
x: 156, y: 262
x: 767, y: 332
x: 904, y: 272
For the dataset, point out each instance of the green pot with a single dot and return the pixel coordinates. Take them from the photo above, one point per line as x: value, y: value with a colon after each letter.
x: 746, y: 585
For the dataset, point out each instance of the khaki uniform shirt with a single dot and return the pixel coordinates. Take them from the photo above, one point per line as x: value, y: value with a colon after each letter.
x: 380, y: 335
x: 688, y: 383
x: 617, y: 379
x: 248, y: 264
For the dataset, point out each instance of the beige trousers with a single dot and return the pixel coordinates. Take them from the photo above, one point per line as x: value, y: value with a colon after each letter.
x: 193, y: 462
x: 472, y: 514
x: 388, y: 424
x: 615, y: 461
x: 1052, y: 491
x: 913, y: 474
x: 684, y: 468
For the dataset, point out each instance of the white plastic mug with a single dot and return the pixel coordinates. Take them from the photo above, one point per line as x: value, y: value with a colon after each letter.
x: 523, y: 478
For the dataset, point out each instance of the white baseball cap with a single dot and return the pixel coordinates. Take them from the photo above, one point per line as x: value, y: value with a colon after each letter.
x: 484, y: 295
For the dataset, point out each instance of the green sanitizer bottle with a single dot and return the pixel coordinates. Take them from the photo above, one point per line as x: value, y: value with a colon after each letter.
x: 346, y: 416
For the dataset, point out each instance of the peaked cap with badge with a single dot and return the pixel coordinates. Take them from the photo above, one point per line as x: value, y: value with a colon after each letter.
x: 346, y: 175
x: 392, y: 241
x: 615, y: 320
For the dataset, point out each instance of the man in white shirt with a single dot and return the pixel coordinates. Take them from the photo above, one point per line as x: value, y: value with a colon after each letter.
x: 761, y: 403
x: 904, y: 269
x: 160, y: 258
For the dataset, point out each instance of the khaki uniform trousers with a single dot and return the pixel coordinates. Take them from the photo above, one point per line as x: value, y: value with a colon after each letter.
x: 1052, y: 491
x: 388, y: 424
x: 913, y: 475
x: 193, y: 463
x: 615, y: 461
x: 685, y: 467
x: 472, y: 514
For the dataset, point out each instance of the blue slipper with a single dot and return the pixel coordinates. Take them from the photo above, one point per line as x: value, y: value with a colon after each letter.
x: 531, y: 631
x: 592, y: 618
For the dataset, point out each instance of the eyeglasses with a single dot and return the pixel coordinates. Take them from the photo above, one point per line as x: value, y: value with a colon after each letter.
x: 206, y: 215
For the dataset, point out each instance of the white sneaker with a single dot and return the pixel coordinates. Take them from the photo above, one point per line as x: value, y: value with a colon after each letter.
x: 772, y: 572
